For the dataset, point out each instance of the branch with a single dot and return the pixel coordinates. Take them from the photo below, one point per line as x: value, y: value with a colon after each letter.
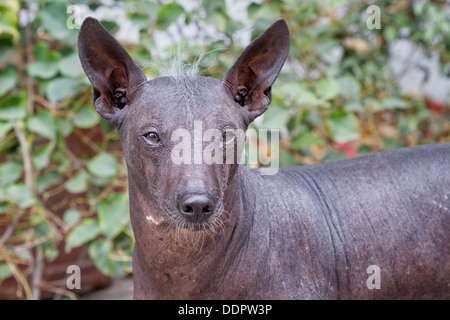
x: 37, y: 274
x: 29, y: 54
x: 27, y: 164
x: 29, y: 178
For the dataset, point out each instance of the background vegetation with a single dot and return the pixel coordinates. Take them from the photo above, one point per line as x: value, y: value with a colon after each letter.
x: 62, y: 176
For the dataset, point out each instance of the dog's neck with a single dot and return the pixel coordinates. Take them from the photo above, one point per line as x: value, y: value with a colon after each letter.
x: 165, y: 254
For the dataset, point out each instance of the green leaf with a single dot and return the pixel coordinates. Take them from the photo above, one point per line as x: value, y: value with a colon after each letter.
x: 10, y: 172
x: 64, y: 126
x: 47, y: 179
x: 50, y: 251
x: 307, y: 139
x: 42, y: 230
x: 262, y: 16
x: 336, y: 3
x: 85, y: 117
x: 327, y: 88
x: 213, y: 6
x: 83, y: 233
x: 103, y: 165
x: 13, y: 107
x: 41, y: 158
x: 5, y: 271
x: 150, y: 8
x: 6, y: 49
x: 70, y: 66
x: 216, y: 14
x: 25, y: 255
x: 53, y: 16
x: 324, y: 47
x: 218, y: 20
x: 8, y: 80
x: 334, y: 156
x: 44, y: 69
x: 77, y: 183
x: 394, y: 103
x: 307, y: 98
x: 71, y: 216
x: 99, y: 252
x: 8, y: 22
x: 41, y: 51
x: 287, y: 159
x: 354, y: 105
x: 349, y: 87
x: 168, y: 14
x: 62, y: 89
x: 275, y: 117
x: 373, y: 103
x: 364, y: 149
x: 390, y: 33
x: 290, y: 90
x: 114, y: 214
x: 392, y: 144
x: 343, y: 126
x: 21, y: 195
x: 43, y: 124
x: 5, y: 127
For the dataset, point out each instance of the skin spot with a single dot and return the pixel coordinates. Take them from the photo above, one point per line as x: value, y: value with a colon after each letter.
x: 151, y: 219
x: 168, y: 277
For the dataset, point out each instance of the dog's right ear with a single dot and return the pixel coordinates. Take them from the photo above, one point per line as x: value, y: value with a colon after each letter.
x: 112, y: 72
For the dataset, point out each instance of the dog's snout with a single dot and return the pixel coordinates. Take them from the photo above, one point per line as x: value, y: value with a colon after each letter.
x: 196, y: 207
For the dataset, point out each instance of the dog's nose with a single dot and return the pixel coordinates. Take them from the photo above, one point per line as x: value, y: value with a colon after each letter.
x: 196, y: 207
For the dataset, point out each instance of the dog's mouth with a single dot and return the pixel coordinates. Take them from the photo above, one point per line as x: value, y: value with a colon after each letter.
x: 197, y: 226
x: 179, y: 221
x: 191, y: 234
x: 214, y: 223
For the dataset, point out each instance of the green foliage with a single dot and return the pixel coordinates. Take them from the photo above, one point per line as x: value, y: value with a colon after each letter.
x: 87, y: 230
x: 62, y: 176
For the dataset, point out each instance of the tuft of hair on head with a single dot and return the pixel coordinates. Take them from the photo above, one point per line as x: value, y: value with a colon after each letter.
x: 176, y: 65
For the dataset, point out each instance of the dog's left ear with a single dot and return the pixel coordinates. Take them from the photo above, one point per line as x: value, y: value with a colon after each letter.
x: 112, y: 72
x: 250, y: 78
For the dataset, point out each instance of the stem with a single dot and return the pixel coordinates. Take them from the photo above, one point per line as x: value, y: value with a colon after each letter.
x: 20, y: 278
x: 27, y: 164
x: 8, y: 232
x: 35, y: 293
x: 29, y: 178
x: 37, y: 274
x: 28, y: 58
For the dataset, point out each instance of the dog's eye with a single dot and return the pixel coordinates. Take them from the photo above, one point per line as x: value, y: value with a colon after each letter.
x: 228, y: 137
x: 152, y: 137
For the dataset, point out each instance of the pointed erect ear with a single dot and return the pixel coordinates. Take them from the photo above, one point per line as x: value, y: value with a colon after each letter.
x: 108, y: 66
x: 251, y: 77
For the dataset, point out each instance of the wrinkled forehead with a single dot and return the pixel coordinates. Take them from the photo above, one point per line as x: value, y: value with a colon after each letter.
x: 183, y: 100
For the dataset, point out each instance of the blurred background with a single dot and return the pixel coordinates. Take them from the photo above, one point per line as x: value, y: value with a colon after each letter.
x: 359, y: 79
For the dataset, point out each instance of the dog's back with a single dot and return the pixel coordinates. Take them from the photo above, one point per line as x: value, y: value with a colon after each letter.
x: 317, y: 229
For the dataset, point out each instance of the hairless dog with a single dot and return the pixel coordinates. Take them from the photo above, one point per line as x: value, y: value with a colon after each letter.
x: 373, y: 227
